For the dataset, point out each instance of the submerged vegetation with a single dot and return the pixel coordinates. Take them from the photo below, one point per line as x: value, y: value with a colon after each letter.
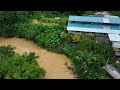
x: 87, y: 56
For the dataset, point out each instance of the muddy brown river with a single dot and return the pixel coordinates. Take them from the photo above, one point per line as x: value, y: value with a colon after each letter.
x: 53, y: 63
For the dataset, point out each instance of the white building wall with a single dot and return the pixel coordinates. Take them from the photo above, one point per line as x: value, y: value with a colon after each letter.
x: 116, y: 44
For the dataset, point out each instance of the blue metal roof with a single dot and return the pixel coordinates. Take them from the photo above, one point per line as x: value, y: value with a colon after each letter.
x: 85, y: 19
x: 85, y: 25
x: 115, y: 27
x: 112, y: 20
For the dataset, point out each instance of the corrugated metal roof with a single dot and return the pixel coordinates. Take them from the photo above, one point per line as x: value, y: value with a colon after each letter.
x: 85, y: 18
x: 111, y: 20
x: 85, y: 25
x: 114, y: 27
x: 114, y: 20
x: 93, y: 30
x: 110, y: 29
x: 114, y: 37
x: 109, y: 16
x: 106, y: 20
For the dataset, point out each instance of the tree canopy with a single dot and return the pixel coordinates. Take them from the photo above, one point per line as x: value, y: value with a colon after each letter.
x: 14, y: 66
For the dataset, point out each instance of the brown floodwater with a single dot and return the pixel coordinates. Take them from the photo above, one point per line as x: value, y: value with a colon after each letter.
x: 53, y: 63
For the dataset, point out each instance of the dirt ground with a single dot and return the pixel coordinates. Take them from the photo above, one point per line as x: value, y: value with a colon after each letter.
x: 53, y: 63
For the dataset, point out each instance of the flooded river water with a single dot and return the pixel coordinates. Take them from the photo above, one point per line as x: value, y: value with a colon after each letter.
x: 53, y: 63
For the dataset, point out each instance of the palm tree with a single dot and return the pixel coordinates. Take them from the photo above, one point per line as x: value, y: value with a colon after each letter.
x: 86, y: 57
x: 86, y: 61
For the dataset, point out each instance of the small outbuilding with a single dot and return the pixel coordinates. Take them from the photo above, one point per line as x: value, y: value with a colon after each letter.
x: 112, y: 71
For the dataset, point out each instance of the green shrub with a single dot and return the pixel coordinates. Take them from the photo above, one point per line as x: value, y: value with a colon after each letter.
x: 21, y: 29
x: 117, y: 66
x: 87, y: 65
x: 52, y: 39
x: 68, y: 39
x: 104, y: 49
x: 63, y: 35
x: 6, y: 51
x: 18, y: 68
x: 63, y: 22
x: 115, y: 13
x: 14, y: 66
x: 7, y: 24
x: 76, y: 38
x: 86, y: 43
x: 36, y: 15
x: 86, y: 13
x: 28, y: 31
x: 23, y: 16
x: 69, y: 49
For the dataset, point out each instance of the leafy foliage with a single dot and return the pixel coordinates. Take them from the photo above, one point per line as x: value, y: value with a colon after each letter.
x: 6, y: 51
x: 72, y: 12
x: 6, y: 24
x: 104, y: 49
x: 86, y: 42
x: 87, y: 65
x: 69, y: 49
x: 23, y: 16
x: 76, y: 37
x: 115, y: 13
x: 19, y: 67
x: 87, y: 61
x: 117, y: 66
x: 50, y: 38
x: 9, y: 18
x: 86, y: 13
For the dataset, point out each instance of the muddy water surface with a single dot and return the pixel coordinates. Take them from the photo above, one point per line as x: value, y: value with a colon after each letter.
x: 53, y: 63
